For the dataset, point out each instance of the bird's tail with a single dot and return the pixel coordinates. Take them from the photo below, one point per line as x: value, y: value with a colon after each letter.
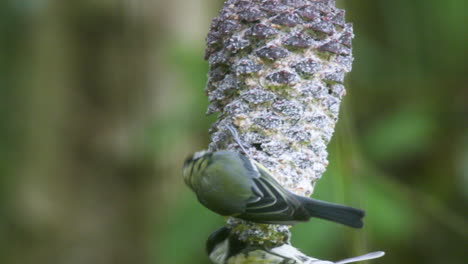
x: 334, y: 212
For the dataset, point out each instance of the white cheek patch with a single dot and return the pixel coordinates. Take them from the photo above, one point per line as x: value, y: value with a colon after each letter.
x: 219, y: 254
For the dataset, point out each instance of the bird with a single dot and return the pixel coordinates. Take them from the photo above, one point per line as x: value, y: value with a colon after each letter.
x: 231, y: 184
x: 224, y: 247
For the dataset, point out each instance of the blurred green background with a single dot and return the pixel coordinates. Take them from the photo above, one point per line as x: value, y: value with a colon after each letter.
x: 101, y: 101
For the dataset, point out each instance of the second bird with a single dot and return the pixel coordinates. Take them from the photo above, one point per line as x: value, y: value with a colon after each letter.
x: 231, y: 184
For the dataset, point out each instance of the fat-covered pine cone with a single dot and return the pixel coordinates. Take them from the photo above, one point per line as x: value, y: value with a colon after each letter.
x: 276, y: 73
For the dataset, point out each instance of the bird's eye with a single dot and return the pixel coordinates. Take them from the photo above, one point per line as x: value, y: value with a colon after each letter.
x: 187, y: 161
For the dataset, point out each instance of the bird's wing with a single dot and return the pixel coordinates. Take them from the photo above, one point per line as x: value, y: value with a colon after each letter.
x: 272, y: 202
x: 368, y: 256
x: 275, y: 204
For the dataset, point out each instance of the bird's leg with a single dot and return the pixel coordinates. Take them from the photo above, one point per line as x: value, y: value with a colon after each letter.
x: 236, y: 138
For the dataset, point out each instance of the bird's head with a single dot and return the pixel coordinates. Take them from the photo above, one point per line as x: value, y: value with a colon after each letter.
x: 190, y: 169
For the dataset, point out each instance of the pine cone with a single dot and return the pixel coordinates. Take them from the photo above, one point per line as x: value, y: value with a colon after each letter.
x: 276, y: 73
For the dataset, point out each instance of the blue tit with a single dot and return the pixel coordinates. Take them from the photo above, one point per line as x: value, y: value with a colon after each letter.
x: 230, y: 184
x: 225, y: 248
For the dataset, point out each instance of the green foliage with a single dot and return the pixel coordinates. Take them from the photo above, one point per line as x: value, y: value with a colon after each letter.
x: 406, y: 131
x: 186, y: 221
